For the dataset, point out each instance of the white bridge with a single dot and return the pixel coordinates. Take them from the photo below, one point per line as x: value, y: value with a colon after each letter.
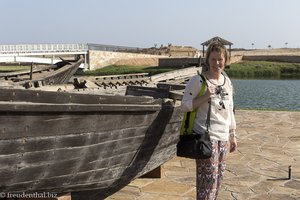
x: 40, y: 53
x: 50, y: 53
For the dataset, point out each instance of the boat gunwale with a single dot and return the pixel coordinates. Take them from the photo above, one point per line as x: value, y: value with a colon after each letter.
x: 39, y: 96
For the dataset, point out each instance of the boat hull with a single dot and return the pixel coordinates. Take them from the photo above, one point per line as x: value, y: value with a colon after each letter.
x: 54, y: 143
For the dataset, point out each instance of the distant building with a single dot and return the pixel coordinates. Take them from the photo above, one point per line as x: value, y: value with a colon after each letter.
x: 170, y: 51
x: 182, y: 51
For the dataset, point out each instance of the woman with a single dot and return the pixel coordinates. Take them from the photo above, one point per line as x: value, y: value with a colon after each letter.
x: 219, y: 93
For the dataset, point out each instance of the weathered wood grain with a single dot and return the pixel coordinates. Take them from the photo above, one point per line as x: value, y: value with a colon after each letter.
x: 34, y: 96
x: 31, y: 124
x: 99, y: 144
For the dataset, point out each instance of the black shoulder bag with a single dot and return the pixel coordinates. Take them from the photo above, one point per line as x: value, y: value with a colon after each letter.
x: 196, y: 146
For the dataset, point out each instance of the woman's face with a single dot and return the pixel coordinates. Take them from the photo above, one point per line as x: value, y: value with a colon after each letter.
x: 216, y: 61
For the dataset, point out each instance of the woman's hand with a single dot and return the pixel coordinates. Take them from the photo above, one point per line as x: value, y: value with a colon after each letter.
x: 199, y: 100
x: 232, y: 143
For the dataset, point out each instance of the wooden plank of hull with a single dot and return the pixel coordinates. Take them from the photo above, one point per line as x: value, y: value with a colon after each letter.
x: 42, y: 107
x: 77, y: 152
x: 148, y: 91
x: 174, y: 92
x: 171, y: 86
x: 32, y: 124
x: 17, y: 95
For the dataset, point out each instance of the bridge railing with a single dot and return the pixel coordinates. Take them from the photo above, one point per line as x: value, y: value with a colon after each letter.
x: 104, y: 47
x: 38, y: 48
x: 50, y: 48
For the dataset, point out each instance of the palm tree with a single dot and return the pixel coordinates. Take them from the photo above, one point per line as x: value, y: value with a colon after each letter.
x: 252, y: 45
x: 269, y: 46
x: 286, y: 44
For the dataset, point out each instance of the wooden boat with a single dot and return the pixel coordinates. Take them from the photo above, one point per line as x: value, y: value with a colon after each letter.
x: 58, y: 73
x: 89, y: 145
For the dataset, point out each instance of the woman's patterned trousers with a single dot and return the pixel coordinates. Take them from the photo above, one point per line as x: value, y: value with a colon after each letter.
x: 210, y: 171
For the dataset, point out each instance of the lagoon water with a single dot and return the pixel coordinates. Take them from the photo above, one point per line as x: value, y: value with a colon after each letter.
x: 267, y: 94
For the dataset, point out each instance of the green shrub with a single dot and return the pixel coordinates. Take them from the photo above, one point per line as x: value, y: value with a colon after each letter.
x: 263, y: 69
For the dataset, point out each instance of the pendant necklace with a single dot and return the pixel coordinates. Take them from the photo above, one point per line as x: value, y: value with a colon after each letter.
x: 220, y: 91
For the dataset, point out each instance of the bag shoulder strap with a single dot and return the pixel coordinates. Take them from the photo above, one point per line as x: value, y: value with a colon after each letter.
x: 207, y: 123
x: 189, y: 117
x: 202, y: 90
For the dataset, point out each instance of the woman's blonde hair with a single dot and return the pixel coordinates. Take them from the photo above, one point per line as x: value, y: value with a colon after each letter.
x: 218, y: 47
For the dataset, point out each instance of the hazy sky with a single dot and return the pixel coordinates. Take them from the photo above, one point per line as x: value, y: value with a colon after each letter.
x: 143, y: 23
